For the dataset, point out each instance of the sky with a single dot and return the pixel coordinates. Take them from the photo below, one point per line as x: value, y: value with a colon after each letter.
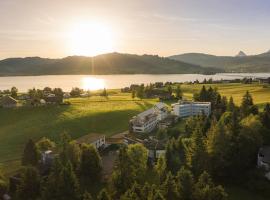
x: 163, y: 27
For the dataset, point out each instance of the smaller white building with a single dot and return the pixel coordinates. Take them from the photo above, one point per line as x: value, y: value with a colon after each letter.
x: 97, y: 140
x: 184, y: 109
x: 148, y: 120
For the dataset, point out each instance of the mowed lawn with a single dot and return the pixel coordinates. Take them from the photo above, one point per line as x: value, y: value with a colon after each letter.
x: 260, y: 94
x: 83, y: 116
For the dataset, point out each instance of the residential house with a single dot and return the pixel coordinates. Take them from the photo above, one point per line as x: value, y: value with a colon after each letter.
x: 184, y: 109
x: 8, y: 102
x: 147, y: 121
x: 53, y: 99
x: 263, y: 80
x: 97, y: 140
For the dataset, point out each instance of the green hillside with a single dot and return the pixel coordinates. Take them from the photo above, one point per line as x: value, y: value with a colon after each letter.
x: 255, y: 63
x: 112, y: 63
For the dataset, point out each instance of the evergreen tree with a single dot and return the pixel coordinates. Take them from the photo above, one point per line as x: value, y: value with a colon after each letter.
x: 140, y: 91
x: 217, y: 147
x: 29, y: 187
x: 169, y: 89
x: 103, y: 195
x: 104, y: 93
x: 175, y: 155
x: 185, y: 183
x: 196, y: 154
x: 161, y: 169
x: 169, y: 188
x: 133, y: 94
x: 62, y: 183
x: 30, y: 154
x: 231, y: 105
x: 206, y: 190
x: 265, y: 116
x: 247, y: 106
x: 178, y: 92
x: 130, y: 167
x: 90, y: 167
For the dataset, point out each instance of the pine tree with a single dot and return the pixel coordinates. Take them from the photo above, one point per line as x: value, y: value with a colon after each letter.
x: 30, y: 154
x: 231, y: 105
x: 90, y: 167
x: 29, y: 187
x: 197, y: 155
x: 133, y: 94
x: 161, y: 169
x: 217, y: 147
x: 103, y: 195
x: 62, y: 183
x: 265, y: 117
x: 178, y: 92
x: 247, y: 106
x: 206, y: 190
x: 169, y: 188
x: 185, y: 183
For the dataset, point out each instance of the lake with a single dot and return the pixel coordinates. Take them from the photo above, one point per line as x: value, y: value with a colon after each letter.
x: 94, y: 82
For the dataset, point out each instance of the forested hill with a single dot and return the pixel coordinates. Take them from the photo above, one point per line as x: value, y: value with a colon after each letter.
x: 239, y: 63
x: 112, y: 63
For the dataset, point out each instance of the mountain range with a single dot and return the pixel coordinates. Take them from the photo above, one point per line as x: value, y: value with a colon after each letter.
x: 239, y: 63
x: 119, y: 63
x: 111, y: 63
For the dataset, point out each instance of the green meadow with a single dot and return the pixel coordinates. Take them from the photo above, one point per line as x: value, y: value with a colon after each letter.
x: 90, y: 115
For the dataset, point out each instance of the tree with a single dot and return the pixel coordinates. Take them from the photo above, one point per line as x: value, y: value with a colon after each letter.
x: 30, y: 154
x: 103, y: 195
x: 206, y: 190
x: 218, y: 144
x: 169, y: 89
x: 45, y: 144
x: 58, y: 92
x: 247, y: 106
x: 140, y: 91
x: 87, y: 196
x: 196, y: 154
x: 14, y: 92
x: 76, y: 92
x: 265, y: 116
x: 169, y: 188
x: 130, y: 168
x: 104, y: 93
x: 90, y: 167
x: 175, y: 155
x: 231, y: 105
x: 29, y: 187
x: 185, y: 183
x: 178, y: 92
x: 160, y: 168
x: 158, y: 196
x: 133, y: 94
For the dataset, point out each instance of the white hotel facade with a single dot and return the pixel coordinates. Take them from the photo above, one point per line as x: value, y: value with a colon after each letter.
x: 184, y: 109
x: 148, y: 120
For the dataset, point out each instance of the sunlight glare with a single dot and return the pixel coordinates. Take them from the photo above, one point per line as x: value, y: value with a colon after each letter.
x: 90, y: 39
x: 90, y: 83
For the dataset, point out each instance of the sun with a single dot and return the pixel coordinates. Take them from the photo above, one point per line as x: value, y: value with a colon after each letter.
x: 90, y: 39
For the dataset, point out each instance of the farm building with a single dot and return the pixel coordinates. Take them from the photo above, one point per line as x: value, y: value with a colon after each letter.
x: 8, y: 102
x: 97, y: 140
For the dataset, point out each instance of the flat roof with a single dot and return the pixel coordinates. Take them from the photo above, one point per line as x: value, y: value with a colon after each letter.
x: 89, y: 138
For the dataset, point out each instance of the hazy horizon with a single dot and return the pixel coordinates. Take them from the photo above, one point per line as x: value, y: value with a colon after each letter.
x: 59, y: 29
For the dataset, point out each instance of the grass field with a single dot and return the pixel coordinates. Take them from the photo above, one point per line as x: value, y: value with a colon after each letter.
x: 83, y: 116
x: 90, y: 115
x: 260, y: 94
